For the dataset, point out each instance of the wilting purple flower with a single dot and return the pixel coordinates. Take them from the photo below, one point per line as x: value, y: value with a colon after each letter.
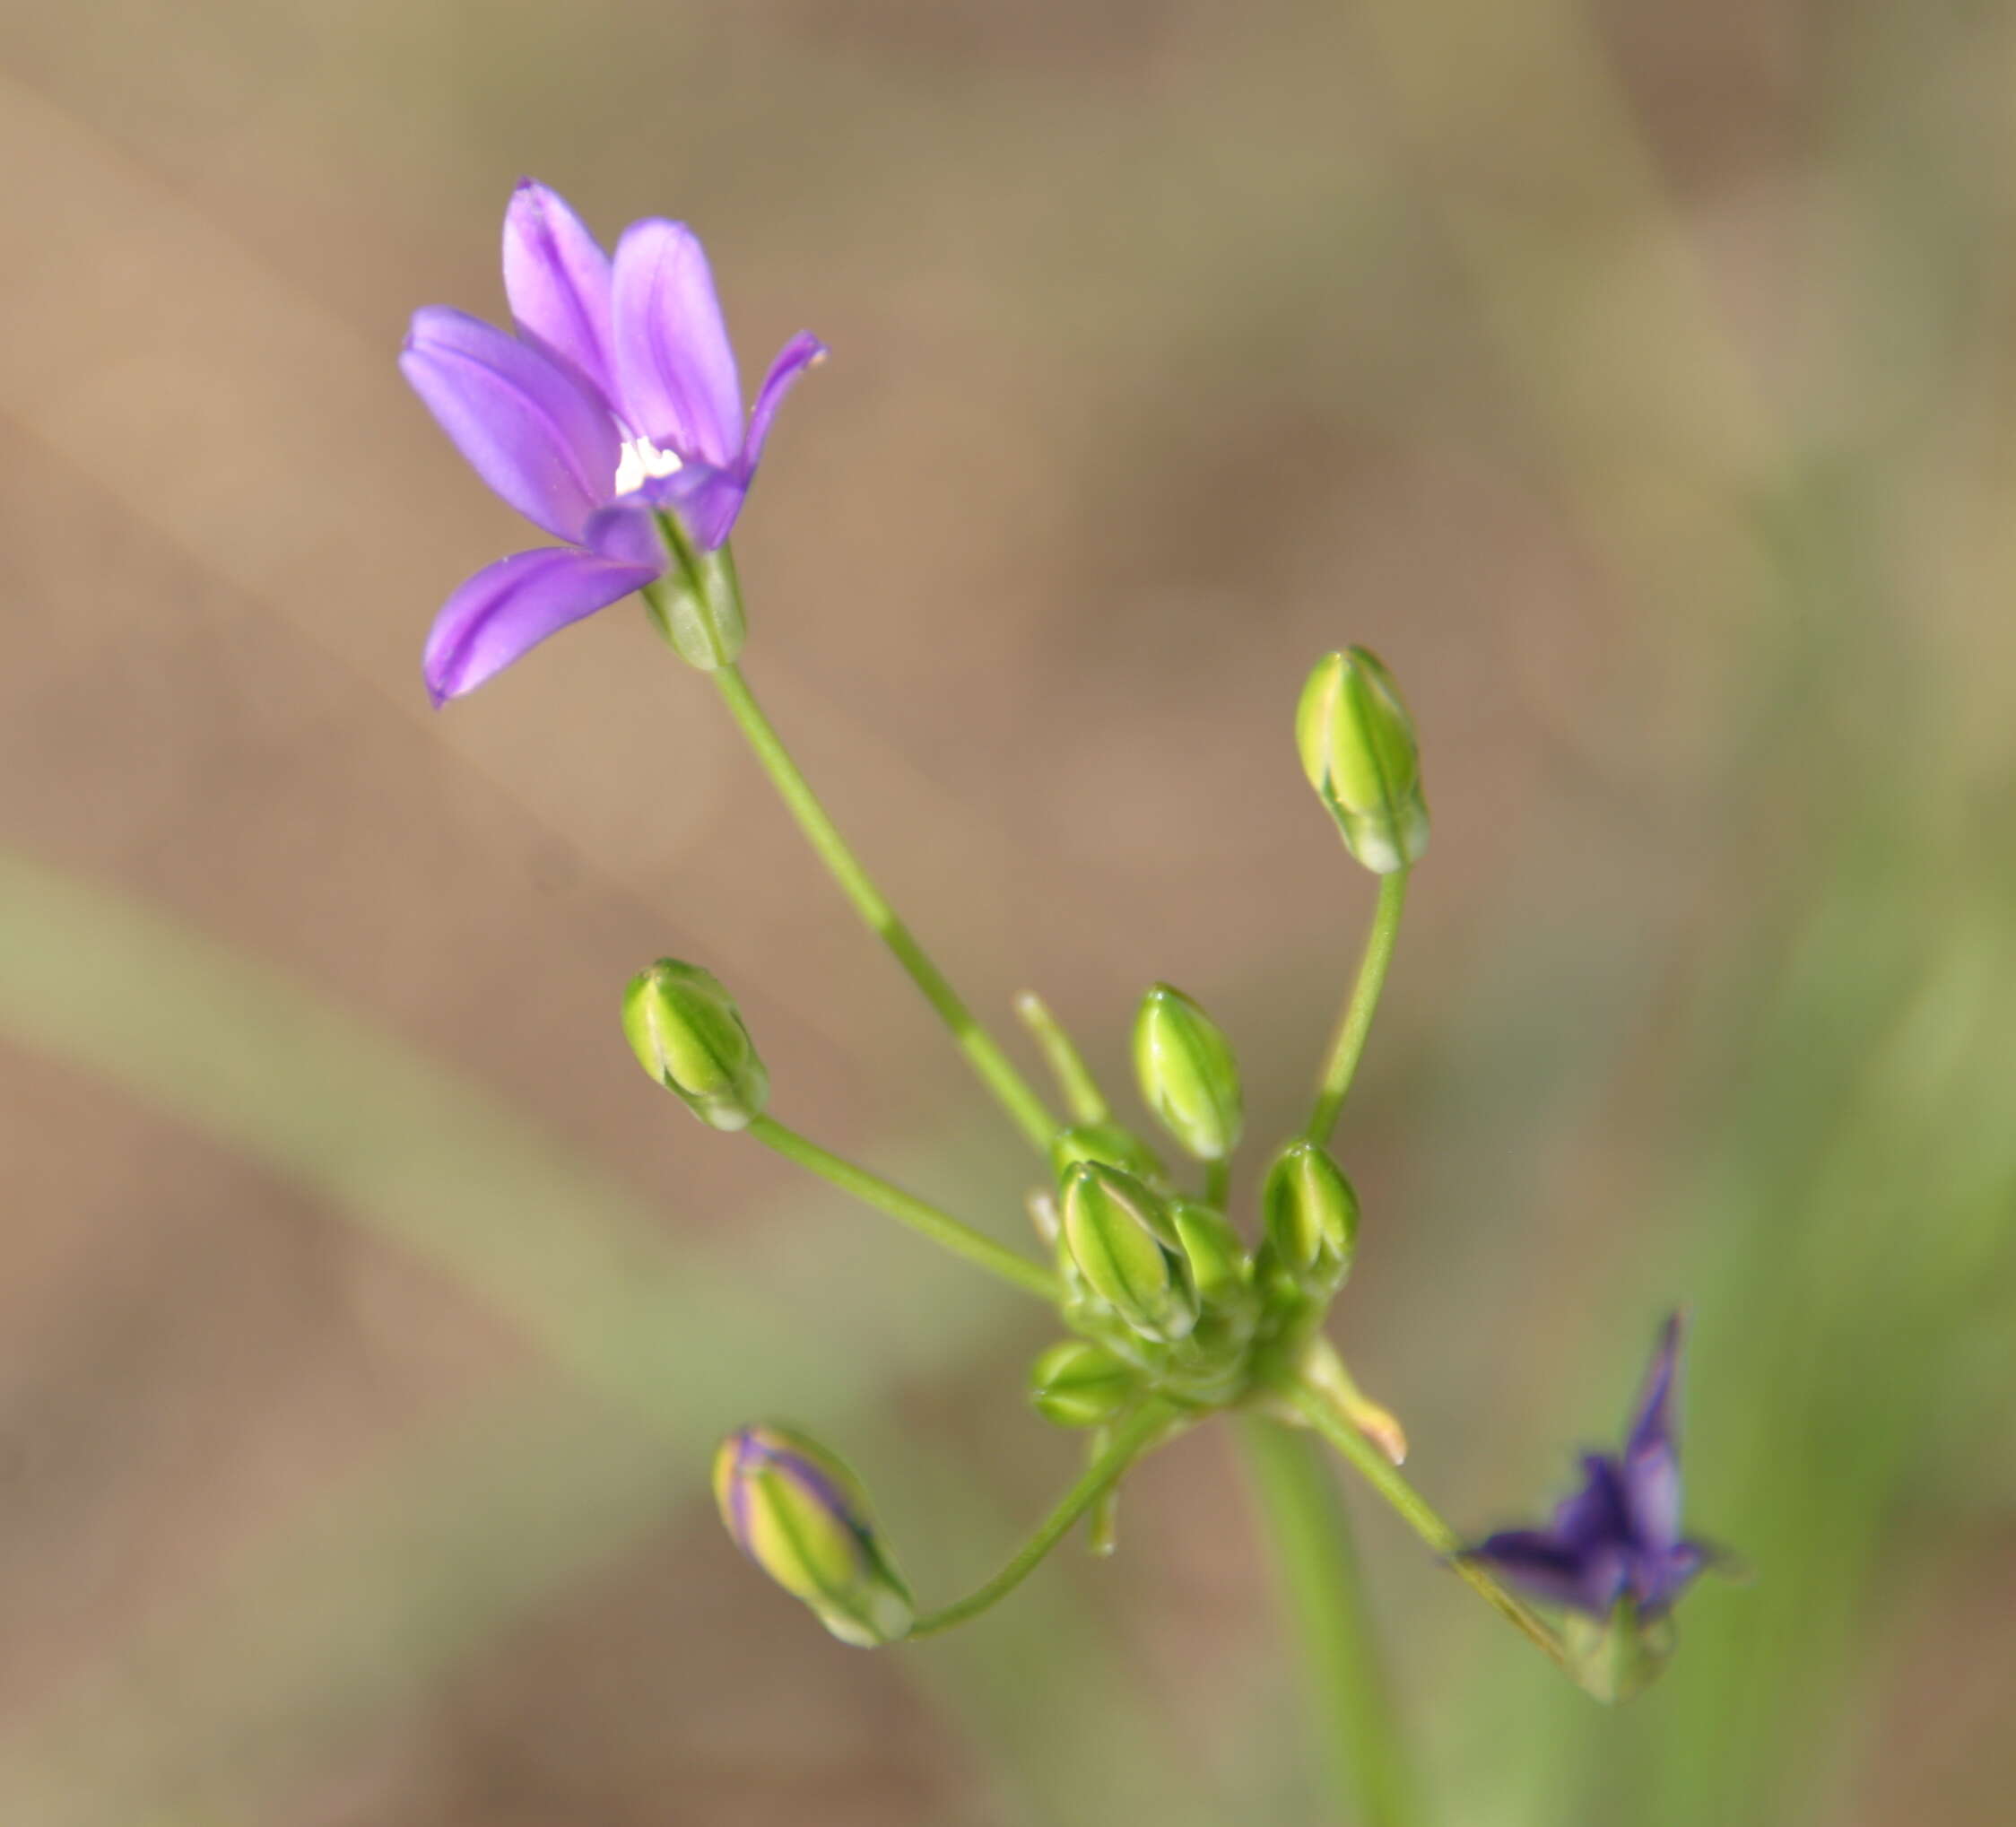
x: 617, y: 399
x: 1618, y: 1536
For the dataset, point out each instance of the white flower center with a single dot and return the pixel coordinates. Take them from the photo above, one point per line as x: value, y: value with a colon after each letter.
x: 642, y: 460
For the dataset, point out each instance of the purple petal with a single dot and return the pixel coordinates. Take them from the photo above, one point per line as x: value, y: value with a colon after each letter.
x: 1538, y: 1563
x: 1597, y: 1512
x: 803, y: 351
x: 626, y: 534
x: 673, y: 365
x: 510, y: 607
x: 531, y: 431
x: 1657, y: 1579
x: 558, y: 279
x: 1651, y: 1467
x: 708, y: 500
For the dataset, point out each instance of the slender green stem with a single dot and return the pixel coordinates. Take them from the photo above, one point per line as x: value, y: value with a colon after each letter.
x: 906, y: 1208
x: 996, y: 1071
x: 1147, y: 1427
x: 1082, y: 1094
x: 1356, y: 1021
x: 1217, y: 1183
x: 1419, y: 1516
x: 1322, y: 1597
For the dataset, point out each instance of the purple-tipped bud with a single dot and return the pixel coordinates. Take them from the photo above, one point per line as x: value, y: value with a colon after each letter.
x: 802, y: 1515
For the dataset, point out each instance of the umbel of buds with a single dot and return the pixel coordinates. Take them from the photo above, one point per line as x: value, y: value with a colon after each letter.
x: 802, y: 1515
x: 1188, y: 1074
x: 1120, y: 1236
x: 688, y: 1035
x: 1358, y: 748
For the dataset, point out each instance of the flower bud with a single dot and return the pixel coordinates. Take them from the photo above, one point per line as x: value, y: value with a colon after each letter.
x: 1188, y: 1074
x: 1113, y: 1227
x: 1219, y: 1268
x: 688, y: 1035
x: 802, y: 1516
x: 1312, y: 1215
x: 1358, y: 748
x: 1078, y: 1384
x: 1105, y: 1142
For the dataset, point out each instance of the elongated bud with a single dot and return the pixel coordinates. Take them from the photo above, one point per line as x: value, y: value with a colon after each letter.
x: 1078, y: 1384
x: 1358, y: 748
x: 688, y: 1035
x: 1113, y: 1227
x: 1219, y: 1268
x: 802, y: 1515
x: 1188, y: 1074
x: 1103, y: 1142
x: 1311, y: 1216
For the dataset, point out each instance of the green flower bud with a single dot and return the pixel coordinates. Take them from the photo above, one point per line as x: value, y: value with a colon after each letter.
x: 1617, y: 1657
x: 1358, y: 748
x: 1188, y: 1074
x: 1113, y: 1227
x: 802, y: 1516
x: 1106, y: 1142
x: 1219, y: 1268
x: 688, y: 1035
x: 1078, y: 1384
x: 1311, y: 1216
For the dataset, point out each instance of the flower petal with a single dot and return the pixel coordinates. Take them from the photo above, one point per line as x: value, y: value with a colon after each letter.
x: 531, y: 431
x: 1651, y: 1465
x: 708, y: 500
x: 626, y: 534
x: 510, y: 607
x: 803, y: 351
x: 1658, y: 1579
x: 558, y: 279
x: 675, y: 367
x: 1598, y: 1511
x: 1537, y: 1562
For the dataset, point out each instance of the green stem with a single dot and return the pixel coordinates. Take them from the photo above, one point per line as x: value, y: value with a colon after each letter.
x: 1323, y: 1596
x: 906, y: 1208
x: 1217, y: 1183
x: 996, y: 1071
x: 1081, y: 1095
x: 1356, y: 1021
x: 1419, y: 1516
x: 1146, y: 1428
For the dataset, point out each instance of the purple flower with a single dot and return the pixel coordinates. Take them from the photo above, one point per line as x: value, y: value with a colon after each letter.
x: 616, y: 403
x: 1618, y: 1536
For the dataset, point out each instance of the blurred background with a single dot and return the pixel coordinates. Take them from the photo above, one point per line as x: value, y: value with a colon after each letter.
x: 1635, y: 378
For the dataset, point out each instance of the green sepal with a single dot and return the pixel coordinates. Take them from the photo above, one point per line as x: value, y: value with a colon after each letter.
x: 1077, y: 1383
x: 1309, y: 1212
x: 1617, y: 1657
x: 1114, y: 1227
x: 697, y: 604
x: 1188, y: 1074
x: 1110, y: 1143
x: 1358, y: 748
x: 688, y: 1034
x: 1214, y: 1251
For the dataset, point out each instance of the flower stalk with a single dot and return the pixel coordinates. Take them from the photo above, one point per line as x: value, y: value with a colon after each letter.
x: 996, y: 1071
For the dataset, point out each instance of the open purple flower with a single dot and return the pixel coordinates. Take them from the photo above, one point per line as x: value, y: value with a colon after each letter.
x: 1618, y: 1536
x: 617, y: 402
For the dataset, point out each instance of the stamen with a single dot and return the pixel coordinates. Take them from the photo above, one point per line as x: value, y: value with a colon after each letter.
x: 642, y: 461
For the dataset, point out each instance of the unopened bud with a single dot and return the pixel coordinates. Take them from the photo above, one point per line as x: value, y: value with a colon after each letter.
x: 1358, y: 748
x: 1102, y: 1142
x: 802, y: 1515
x: 1078, y: 1384
x: 1219, y: 1268
x: 688, y: 1035
x: 1312, y: 1215
x: 1188, y: 1074
x: 1113, y: 1227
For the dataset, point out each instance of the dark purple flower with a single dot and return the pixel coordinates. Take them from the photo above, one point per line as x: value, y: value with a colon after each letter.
x: 1618, y: 1536
x: 617, y: 401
